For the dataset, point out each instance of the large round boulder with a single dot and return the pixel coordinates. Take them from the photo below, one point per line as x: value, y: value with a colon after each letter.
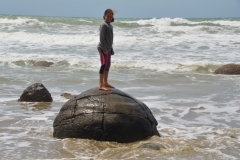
x: 36, y: 93
x: 228, y: 69
x: 105, y: 116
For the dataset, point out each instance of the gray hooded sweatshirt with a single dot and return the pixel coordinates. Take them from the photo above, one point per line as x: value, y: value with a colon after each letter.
x: 106, y: 37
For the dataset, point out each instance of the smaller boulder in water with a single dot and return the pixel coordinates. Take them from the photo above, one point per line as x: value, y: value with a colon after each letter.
x: 43, y: 64
x: 228, y: 69
x: 36, y: 93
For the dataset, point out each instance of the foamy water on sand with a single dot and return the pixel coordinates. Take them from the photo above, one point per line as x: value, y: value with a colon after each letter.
x: 166, y: 63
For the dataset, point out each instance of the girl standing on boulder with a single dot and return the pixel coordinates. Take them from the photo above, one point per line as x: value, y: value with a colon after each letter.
x: 105, y: 49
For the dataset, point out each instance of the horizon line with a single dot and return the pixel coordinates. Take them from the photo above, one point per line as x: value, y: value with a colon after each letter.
x: 31, y: 15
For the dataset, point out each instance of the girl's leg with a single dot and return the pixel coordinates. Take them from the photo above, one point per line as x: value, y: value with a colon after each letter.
x: 101, y: 85
x: 106, y: 80
x: 106, y: 71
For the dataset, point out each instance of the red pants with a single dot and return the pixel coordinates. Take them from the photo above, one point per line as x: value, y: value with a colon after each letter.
x: 105, y: 61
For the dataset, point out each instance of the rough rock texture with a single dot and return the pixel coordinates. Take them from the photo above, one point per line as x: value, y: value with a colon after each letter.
x: 228, y: 69
x: 105, y: 116
x: 68, y: 95
x: 43, y: 64
x: 36, y: 93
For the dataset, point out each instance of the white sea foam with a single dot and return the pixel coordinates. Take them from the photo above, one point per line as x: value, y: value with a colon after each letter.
x: 46, y: 39
x: 5, y: 99
x: 89, y: 35
x: 149, y: 98
x: 181, y: 21
x: 19, y: 21
x: 82, y: 61
x: 155, y: 21
x: 37, y: 118
x: 83, y: 20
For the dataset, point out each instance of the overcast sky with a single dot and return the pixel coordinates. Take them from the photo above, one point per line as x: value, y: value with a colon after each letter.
x: 125, y: 8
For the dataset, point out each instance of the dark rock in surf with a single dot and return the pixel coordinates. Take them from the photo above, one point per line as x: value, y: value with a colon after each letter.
x: 105, y: 116
x: 68, y: 95
x: 228, y: 69
x: 36, y: 93
x: 43, y: 64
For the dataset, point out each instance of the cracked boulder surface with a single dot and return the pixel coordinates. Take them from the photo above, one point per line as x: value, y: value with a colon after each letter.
x: 105, y: 116
x: 36, y: 93
x: 232, y: 69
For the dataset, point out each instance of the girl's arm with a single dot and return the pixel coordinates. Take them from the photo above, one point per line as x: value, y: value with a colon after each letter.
x: 102, y: 37
x: 112, y: 52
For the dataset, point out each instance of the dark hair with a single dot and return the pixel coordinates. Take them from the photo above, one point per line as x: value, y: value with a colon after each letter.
x: 108, y: 11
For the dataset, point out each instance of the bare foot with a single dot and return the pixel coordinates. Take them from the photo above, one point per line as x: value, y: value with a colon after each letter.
x: 103, y: 88
x: 108, y: 85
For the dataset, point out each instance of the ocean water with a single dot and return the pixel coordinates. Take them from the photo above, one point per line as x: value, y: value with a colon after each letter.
x: 166, y: 63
